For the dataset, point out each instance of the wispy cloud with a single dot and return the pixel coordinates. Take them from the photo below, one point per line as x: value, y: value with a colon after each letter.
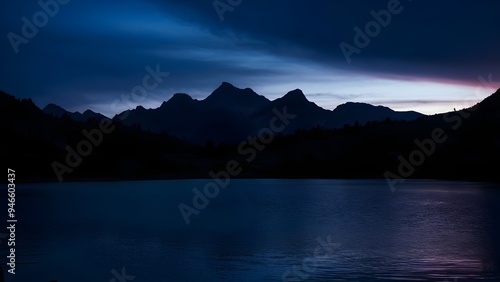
x: 95, y: 50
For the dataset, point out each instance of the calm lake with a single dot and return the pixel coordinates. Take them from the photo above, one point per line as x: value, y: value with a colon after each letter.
x: 256, y: 230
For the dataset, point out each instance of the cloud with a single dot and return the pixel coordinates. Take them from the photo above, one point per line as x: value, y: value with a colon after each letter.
x: 94, y: 50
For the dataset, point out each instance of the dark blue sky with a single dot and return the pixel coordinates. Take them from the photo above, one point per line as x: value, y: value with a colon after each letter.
x: 90, y: 53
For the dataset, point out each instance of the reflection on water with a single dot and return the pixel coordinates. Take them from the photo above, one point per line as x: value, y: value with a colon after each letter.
x: 257, y: 230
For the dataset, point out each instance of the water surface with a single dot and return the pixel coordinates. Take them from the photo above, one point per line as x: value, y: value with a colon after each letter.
x: 257, y: 230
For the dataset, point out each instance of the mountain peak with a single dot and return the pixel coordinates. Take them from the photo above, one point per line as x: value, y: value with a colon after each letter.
x: 88, y: 112
x: 360, y: 108
x: 226, y: 84
x: 181, y: 97
x: 179, y: 100
x: 296, y: 95
x: 355, y: 105
x: 235, y: 99
x: 52, y: 106
x: 54, y: 109
x: 225, y: 88
x: 228, y: 91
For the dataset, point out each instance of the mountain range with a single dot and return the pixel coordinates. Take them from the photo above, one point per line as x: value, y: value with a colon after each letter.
x: 230, y: 114
x: 58, y: 111
x: 462, y: 144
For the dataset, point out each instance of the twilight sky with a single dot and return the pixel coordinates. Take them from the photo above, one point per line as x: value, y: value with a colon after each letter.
x: 90, y: 53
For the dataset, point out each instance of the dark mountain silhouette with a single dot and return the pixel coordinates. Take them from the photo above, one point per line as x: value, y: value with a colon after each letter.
x: 469, y: 149
x: 37, y: 139
x: 230, y: 114
x: 363, y: 113
x: 308, y: 115
x: 222, y: 116
x: 77, y: 116
x: 242, y: 101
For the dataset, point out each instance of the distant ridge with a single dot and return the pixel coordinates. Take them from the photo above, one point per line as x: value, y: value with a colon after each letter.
x: 57, y: 111
x: 230, y: 114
